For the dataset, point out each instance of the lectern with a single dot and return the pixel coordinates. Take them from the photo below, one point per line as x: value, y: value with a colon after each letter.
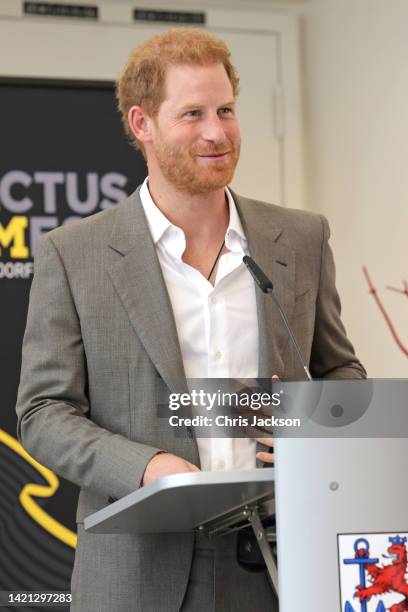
x: 213, y: 502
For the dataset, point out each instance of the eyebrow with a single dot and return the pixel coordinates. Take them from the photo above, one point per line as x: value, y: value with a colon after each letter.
x: 186, y: 107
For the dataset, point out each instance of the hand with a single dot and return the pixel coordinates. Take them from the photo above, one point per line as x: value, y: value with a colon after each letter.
x: 165, y: 464
x: 265, y: 456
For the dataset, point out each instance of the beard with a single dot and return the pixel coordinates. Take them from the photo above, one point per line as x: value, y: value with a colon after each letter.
x: 183, y: 169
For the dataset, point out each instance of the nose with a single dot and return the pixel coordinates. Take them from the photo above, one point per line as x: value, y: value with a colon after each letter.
x: 213, y: 129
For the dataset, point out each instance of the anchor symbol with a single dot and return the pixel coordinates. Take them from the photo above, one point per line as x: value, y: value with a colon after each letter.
x: 362, y: 549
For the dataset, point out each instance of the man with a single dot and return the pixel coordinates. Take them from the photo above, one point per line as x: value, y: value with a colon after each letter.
x: 153, y: 291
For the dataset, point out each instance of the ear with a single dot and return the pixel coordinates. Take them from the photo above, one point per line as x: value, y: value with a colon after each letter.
x: 140, y: 123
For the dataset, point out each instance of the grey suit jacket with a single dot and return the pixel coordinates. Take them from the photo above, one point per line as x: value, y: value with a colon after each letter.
x: 101, y: 334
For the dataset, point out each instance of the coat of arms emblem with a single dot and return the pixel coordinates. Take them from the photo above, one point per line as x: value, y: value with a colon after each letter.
x: 373, y: 572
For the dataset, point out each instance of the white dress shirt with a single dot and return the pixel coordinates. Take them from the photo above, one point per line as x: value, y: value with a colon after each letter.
x: 217, y: 325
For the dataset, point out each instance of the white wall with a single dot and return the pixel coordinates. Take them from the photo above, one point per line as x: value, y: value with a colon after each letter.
x: 355, y: 61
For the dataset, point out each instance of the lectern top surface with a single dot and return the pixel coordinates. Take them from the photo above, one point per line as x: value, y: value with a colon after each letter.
x: 183, y: 502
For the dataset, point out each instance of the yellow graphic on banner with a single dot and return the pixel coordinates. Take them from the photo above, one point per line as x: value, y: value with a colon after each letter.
x: 13, y: 233
x: 32, y: 490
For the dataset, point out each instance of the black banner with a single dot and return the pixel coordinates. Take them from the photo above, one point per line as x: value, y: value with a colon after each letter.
x: 64, y: 156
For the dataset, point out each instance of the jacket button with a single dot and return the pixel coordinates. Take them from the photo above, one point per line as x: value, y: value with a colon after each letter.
x: 190, y: 432
x: 111, y: 500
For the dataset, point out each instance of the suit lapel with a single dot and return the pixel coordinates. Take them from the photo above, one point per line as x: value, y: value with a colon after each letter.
x: 265, y: 240
x: 140, y: 285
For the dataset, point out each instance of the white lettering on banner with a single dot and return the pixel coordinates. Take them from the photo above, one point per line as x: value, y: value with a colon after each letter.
x: 58, y: 193
x: 91, y: 202
x: 110, y: 187
x: 107, y: 190
x: 50, y: 180
x: 16, y: 269
x: 9, y: 180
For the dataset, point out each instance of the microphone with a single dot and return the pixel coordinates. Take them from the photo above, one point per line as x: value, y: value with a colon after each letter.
x: 266, y: 285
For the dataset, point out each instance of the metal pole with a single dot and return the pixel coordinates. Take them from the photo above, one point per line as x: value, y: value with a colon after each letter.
x: 265, y: 548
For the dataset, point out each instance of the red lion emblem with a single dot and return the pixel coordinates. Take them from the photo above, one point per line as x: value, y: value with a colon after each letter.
x: 390, y: 578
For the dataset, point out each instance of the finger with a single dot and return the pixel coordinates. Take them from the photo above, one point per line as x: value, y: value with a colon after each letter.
x: 266, y: 441
x: 194, y: 468
x: 266, y: 457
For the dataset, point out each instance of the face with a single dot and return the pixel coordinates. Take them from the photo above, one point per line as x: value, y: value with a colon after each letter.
x: 195, y: 136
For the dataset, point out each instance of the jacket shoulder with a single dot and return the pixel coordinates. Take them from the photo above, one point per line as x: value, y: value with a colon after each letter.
x: 293, y: 221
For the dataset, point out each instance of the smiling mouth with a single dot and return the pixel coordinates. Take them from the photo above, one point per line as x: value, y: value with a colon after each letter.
x: 215, y: 155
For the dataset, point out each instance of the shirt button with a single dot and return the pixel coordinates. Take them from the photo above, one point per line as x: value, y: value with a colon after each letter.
x: 214, y: 300
x: 221, y: 464
x: 217, y: 355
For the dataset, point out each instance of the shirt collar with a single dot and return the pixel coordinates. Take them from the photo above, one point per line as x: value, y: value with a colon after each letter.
x: 157, y: 222
x: 234, y: 236
x: 162, y: 230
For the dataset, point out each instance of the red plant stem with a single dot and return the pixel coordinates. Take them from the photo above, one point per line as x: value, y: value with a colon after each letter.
x: 404, y: 291
x: 390, y: 324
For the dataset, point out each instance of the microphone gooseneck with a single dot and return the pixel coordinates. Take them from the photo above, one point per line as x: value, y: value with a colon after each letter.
x: 266, y: 285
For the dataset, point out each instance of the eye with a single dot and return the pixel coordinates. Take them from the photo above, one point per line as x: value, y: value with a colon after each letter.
x: 192, y: 113
x: 226, y: 110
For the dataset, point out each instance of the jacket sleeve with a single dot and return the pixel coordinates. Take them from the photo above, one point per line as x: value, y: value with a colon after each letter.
x: 52, y: 403
x: 332, y: 354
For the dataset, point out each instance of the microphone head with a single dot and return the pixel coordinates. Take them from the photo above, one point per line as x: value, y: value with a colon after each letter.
x: 263, y: 282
